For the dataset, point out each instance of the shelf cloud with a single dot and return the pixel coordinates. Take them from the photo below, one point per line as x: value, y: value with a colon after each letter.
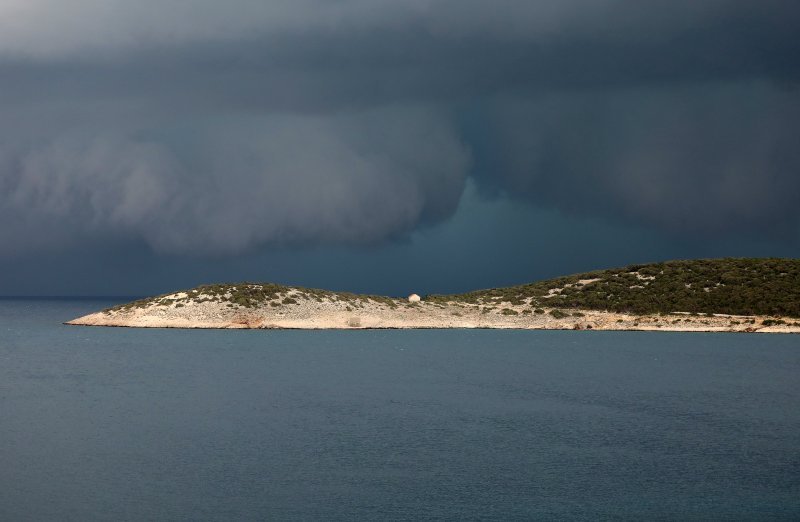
x: 230, y: 185
x: 217, y: 128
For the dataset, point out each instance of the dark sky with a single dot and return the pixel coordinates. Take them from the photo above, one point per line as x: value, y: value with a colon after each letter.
x: 389, y: 147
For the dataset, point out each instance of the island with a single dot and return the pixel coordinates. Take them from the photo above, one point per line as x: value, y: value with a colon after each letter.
x: 708, y: 295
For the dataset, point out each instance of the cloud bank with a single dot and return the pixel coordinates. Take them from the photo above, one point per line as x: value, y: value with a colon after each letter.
x: 698, y: 159
x: 228, y: 185
x: 215, y: 127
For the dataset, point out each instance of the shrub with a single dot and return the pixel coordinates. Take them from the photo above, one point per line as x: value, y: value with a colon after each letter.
x: 748, y: 287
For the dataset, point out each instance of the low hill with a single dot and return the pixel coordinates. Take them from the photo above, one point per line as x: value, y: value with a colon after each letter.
x: 699, y: 295
x: 724, y: 286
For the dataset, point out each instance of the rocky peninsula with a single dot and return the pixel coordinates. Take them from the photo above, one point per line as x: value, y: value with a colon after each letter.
x: 722, y: 295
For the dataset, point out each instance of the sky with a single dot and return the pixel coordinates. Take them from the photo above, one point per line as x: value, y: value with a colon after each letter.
x: 390, y: 147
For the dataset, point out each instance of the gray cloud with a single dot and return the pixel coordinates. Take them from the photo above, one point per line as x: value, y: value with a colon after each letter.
x: 700, y: 159
x: 227, y: 185
x: 219, y: 127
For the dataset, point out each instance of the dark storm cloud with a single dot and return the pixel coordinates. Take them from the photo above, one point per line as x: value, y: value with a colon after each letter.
x: 230, y: 184
x: 222, y: 126
x: 699, y: 159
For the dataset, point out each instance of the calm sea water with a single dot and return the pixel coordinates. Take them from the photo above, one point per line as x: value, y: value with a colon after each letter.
x: 123, y: 424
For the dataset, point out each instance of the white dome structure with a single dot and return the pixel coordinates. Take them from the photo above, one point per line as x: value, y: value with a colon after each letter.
x: 414, y: 298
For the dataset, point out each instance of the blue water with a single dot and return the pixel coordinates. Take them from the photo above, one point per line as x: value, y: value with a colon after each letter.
x: 124, y: 424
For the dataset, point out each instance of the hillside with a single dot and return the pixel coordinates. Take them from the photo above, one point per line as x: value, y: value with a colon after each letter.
x: 703, y: 295
x: 724, y: 286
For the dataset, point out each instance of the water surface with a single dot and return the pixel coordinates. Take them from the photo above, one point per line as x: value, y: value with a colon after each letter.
x: 126, y: 424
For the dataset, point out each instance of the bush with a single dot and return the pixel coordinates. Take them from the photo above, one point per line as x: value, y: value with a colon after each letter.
x: 558, y: 314
x: 734, y: 286
x: 766, y: 287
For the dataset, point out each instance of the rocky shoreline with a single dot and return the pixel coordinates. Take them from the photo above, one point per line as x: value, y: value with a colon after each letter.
x: 295, y: 308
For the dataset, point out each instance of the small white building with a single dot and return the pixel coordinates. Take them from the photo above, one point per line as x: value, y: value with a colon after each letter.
x: 414, y: 298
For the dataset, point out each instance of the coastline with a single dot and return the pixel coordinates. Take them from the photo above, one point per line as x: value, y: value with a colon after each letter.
x: 299, y: 310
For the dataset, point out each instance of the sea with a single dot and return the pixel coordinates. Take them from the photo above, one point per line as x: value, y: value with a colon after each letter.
x: 132, y: 424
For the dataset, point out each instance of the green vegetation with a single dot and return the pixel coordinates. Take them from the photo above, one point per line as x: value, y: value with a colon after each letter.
x: 725, y: 286
x: 254, y: 295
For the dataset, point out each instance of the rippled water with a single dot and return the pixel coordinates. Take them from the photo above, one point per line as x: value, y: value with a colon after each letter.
x: 119, y: 424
